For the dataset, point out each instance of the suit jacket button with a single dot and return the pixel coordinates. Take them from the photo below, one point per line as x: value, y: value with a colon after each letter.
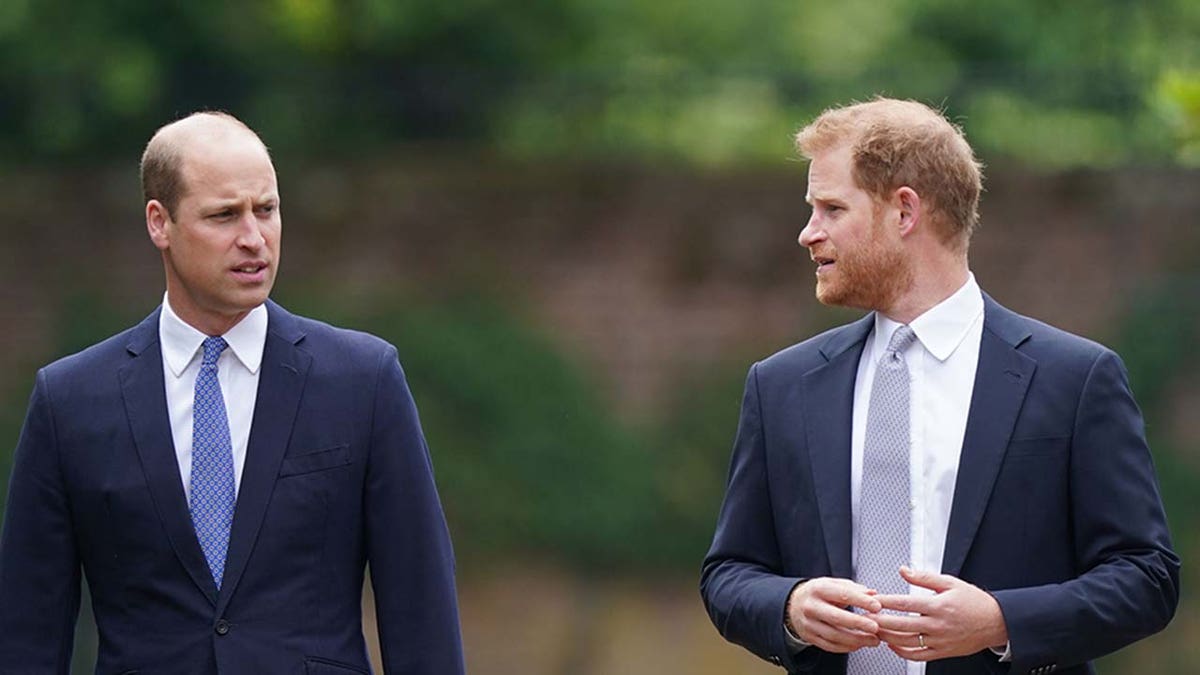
x: 222, y: 627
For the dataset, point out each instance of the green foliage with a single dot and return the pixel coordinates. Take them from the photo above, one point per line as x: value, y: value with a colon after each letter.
x: 1157, y: 333
x: 1178, y: 98
x: 707, y: 81
x: 1160, y: 325
x: 529, y: 458
x: 692, y: 448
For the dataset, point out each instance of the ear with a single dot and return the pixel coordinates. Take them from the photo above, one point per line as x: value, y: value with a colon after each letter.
x: 157, y: 220
x: 908, y: 206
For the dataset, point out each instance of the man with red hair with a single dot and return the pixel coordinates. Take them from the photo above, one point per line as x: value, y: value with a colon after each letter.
x: 944, y: 486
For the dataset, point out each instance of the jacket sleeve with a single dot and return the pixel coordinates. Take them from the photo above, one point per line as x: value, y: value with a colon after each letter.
x: 39, y: 563
x: 740, y: 583
x: 1128, y: 582
x: 408, y: 543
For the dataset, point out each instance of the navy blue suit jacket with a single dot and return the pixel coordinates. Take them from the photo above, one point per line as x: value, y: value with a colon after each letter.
x: 1056, y: 509
x: 337, y: 475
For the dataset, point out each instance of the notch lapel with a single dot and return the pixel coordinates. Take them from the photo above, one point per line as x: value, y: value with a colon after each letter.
x: 1001, y: 381
x: 144, y: 391
x: 828, y: 414
x: 280, y: 385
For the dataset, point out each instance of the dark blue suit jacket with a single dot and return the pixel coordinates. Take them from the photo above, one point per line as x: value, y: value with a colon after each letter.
x: 1056, y: 508
x: 337, y: 475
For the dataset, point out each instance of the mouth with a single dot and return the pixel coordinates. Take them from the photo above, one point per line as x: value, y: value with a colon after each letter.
x: 251, y: 272
x: 824, y: 264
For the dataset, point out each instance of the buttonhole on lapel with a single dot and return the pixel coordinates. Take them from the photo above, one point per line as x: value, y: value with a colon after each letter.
x: 291, y: 368
x: 1013, y: 374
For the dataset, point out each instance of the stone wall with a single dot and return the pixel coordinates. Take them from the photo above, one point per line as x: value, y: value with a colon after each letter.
x: 643, y: 274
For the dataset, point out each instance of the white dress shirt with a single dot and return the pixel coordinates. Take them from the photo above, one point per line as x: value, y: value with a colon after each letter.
x: 941, y: 364
x: 238, y: 369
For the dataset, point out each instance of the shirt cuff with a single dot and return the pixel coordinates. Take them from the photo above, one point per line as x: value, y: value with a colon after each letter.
x: 1005, y: 656
x: 794, y: 643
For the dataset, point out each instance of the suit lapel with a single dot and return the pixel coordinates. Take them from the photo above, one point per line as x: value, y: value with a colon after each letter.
x: 280, y: 385
x: 144, y: 391
x: 1001, y: 380
x: 828, y: 410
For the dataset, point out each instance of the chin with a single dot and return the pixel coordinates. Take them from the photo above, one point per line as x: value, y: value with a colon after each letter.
x: 831, y: 295
x: 253, y: 299
x: 842, y: 298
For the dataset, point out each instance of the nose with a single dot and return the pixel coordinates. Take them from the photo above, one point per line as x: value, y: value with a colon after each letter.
x: 812, y: 233
x: 251, y: 236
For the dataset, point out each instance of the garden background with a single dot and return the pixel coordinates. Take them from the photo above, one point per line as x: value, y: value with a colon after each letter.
x: 576, y: 219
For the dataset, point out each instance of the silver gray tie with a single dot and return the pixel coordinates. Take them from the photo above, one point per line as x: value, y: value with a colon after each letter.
x: 884, y: 514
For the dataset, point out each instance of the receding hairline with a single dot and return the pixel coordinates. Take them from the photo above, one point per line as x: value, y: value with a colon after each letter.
x: 163, y: 159
x: 174, y: 137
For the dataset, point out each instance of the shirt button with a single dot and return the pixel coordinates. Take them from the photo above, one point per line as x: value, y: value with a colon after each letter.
x: 222, y: 627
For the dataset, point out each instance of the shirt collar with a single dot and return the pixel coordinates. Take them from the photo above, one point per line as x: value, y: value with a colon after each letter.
x: 181, y: 342
x: 942, y: 328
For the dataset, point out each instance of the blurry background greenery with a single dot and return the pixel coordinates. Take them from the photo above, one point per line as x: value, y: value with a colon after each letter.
x: 575, y: 219
x: 1093, y: 82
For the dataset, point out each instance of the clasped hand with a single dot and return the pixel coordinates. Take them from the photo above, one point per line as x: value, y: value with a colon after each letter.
x: 958, y: 619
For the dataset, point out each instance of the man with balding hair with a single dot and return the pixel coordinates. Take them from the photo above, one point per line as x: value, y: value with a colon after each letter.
x: 943, y: 487
x: 223, y: 472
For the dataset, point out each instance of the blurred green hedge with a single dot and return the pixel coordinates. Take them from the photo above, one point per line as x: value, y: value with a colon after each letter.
x: 530, y: 458
x: 1094, y: 82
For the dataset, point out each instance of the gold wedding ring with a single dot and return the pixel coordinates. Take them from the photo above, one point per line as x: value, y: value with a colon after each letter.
x: 921, y: 640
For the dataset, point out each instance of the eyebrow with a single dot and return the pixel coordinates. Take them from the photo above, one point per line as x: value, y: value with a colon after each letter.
x: 221, y: 202
x: 830, y: 199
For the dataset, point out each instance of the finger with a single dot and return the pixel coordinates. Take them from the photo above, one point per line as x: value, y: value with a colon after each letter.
x: 900, y: 638
x: 901, y: 623
x: 845, y: 593
x: 843, y: 619
x: 931, y: 580
x: 834, y: 639
x: 917, y: 654
x: 919, y: 604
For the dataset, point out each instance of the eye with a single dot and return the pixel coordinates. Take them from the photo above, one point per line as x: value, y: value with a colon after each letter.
x: 223, y: 214
x: 267, y: 209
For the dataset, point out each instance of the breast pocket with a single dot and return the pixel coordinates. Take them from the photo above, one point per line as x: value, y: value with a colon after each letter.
x: 317, y: 666
x: 1036, y: 447
x: 314, y: 461
x: 294, y: 528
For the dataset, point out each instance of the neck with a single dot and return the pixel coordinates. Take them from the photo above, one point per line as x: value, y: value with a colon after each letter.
x: 212, y: 325
x: 934, y: 280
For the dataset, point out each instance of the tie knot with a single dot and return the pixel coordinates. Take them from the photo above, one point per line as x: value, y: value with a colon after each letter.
x: 901, y: 339
x: 213, y: 346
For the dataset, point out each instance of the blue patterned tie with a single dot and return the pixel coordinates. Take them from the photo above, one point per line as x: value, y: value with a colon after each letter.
x: 884, y: 521
x: 212, y: 490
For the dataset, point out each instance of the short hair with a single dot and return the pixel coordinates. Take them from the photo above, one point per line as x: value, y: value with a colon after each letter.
x: 162, y: 162
x: 895, y: 143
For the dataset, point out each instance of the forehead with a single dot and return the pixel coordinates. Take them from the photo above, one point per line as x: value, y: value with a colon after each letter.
x: 830, y: 174
x: 227, y: 166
